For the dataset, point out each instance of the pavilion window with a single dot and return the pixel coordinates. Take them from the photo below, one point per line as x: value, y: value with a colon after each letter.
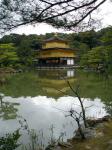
x: 70, y: 61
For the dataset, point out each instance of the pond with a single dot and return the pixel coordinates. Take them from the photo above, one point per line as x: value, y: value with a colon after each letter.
x: 41, y: 100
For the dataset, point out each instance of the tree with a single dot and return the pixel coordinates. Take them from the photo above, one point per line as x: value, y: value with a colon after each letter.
x: 66, y: 14
x: 77, y: 116
x: 25, y: 52
x: 98, y: 57
x: 106, y: 38
x: 89, y: 38
x: 8, y: 55
x: 79, y: 46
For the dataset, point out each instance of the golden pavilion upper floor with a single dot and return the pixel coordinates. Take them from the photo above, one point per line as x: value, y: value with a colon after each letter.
x: 56, y: 52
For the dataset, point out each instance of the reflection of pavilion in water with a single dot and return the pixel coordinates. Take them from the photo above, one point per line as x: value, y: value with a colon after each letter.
x: 54, y: 80
x: 56, y: 74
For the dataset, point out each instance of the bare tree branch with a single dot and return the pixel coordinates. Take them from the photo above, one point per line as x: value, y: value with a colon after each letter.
x: 67, y: 14
x: 94, y: 8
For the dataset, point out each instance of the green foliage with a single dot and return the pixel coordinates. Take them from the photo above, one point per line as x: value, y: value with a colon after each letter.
x: 25, y: 53
x: 89, y: 38
x: 8, y: 56
x: 106, y: 39
x: 10, y: 141
x: 12, y: 38
x: 8, y: 110
x: 100, y: 55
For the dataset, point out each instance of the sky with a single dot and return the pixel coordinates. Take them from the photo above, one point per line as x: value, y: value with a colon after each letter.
x: 105, y: 13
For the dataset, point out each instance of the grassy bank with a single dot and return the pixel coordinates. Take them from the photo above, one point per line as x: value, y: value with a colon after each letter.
x: 103, y: 140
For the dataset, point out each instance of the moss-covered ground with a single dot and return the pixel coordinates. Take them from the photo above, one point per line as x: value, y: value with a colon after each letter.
x: 101, y: 142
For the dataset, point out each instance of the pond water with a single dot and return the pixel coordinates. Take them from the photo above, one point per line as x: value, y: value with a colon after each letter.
x: 44, y: 99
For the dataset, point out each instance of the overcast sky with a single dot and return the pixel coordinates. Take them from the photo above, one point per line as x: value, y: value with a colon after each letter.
x: 105, y: 14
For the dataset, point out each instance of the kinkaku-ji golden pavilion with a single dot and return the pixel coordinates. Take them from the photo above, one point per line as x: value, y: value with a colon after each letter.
x: 56, y: 53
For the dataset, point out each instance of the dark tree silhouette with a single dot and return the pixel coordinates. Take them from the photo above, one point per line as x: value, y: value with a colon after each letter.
x: 67, y: 14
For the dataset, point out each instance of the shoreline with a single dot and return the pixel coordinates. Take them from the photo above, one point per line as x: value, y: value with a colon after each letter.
x: 96, y: 133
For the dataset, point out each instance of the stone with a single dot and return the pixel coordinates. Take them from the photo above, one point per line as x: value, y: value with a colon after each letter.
x: 109, y: 145
x: 94, y: 122
x: 64, y: 144
x: 50, y: 147
x: 106, y: 118
x: 99, y: 134
x: 57, y: 148
x: 89, y: 133
x: 88, y: 147
x: 109, y: 142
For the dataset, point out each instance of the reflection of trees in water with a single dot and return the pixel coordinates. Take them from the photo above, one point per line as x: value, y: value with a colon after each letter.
x: 7, y: 109
x: 44, y: 82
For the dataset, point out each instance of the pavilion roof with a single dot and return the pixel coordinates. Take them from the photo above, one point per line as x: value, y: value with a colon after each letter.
x: 57, y: 48
x: 55, y: 38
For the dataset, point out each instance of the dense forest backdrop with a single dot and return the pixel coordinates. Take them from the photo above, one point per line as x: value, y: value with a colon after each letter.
x: 93, y: 48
